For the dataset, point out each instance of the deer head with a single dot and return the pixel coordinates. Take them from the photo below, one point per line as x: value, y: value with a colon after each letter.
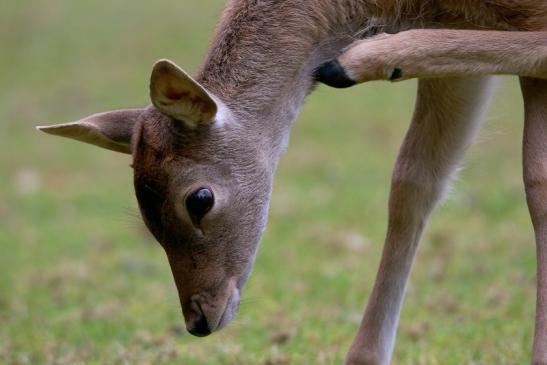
x: 202, y: 183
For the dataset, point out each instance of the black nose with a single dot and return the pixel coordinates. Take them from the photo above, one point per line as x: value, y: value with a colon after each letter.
x: 199, y: 326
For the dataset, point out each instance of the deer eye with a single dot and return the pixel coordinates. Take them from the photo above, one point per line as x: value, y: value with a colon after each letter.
x: 200, y: 202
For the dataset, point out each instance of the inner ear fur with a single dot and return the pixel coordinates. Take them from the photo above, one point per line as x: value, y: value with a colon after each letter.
x: 176, y: 94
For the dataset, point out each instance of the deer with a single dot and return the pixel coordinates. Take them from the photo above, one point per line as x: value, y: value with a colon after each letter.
x: 205, y: 150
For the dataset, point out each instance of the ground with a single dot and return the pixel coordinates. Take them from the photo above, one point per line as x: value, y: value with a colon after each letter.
x: 81, y: 282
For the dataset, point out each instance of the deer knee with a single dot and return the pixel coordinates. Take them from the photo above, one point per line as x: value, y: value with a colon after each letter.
x: 411, y: 201
x: 536, y: 197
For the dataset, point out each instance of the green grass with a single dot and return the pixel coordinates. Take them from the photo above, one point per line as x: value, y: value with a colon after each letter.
x: 81, y: 282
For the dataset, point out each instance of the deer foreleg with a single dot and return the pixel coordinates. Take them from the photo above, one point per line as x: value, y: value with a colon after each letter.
x: 447, y: 113
x: 434, y: 53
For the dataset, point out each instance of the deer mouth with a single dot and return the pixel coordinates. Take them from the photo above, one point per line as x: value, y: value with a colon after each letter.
x: 230, y: 310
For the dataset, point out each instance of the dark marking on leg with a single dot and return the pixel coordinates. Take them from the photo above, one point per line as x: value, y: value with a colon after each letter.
x: 396, y: 74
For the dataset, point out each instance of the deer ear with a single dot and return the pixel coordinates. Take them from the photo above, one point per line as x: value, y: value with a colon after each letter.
x: 176, y: 94
x: 111, y: 130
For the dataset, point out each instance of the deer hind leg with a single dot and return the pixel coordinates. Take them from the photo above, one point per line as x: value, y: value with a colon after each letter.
x: 446, y: 117
x: 535, y: 182
x: 436, y: 53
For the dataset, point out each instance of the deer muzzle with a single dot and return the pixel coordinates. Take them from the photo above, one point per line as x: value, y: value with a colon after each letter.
x: 206, y: 312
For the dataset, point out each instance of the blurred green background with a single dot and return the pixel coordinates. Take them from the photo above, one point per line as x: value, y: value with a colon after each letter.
x: 81, y: 282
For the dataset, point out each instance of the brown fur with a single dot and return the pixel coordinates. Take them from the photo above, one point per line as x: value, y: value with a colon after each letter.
x: 490, y: 14
x: 260, y: 46
x: 225, y: 132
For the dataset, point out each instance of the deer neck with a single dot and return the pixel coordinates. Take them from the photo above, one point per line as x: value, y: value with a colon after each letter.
x: 262, y: 58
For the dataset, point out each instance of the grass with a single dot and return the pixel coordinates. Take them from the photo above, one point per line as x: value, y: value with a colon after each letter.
x: 82, y: 283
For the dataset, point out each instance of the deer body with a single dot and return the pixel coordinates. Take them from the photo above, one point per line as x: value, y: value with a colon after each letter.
x: 205, y: 152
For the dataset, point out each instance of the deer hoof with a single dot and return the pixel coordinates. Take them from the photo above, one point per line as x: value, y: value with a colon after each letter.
x: 333, y: 74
